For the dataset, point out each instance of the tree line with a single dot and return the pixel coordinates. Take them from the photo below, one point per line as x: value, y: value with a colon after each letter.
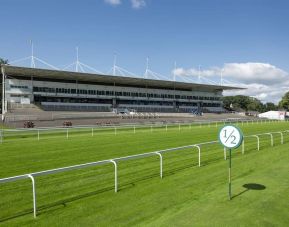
x: 246, y: 103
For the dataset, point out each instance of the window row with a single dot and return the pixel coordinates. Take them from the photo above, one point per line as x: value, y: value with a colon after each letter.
x: 119, y: 93
x: 19, y: 86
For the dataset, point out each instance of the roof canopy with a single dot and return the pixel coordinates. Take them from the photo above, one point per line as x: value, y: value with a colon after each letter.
x: 109, y: 79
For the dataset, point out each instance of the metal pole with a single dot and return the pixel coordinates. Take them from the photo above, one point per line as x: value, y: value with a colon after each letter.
x: 34, y: 194
x: 199, y: 149
x: 161, y: 164
x: 230, y: 164
x: 3, y: 94
x: 272, y: 141
x: 1, y: 136
x: 115, y: 175
x: 258, y: 143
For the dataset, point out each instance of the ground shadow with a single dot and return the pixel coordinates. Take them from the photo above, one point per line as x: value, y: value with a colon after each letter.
x: 251, y: 186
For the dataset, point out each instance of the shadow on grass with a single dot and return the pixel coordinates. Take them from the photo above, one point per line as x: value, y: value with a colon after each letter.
x: 251, y: 186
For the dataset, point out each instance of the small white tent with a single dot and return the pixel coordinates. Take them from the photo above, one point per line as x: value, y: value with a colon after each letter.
x: 273, y: 115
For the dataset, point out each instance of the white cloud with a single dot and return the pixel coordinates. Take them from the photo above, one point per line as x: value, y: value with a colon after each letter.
x: 262, y: 80
x: 137, y: 4
x: 113, y: 2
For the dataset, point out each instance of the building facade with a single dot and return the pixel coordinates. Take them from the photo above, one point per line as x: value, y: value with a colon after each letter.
x: 58, y: 90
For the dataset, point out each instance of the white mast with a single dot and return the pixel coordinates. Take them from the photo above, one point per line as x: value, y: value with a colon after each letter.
x: 147, y: 69
x: 174, y: 73
x: 32, y: 55
x: 77, y: 61
x: 114, y: 65
x: 199, y: 74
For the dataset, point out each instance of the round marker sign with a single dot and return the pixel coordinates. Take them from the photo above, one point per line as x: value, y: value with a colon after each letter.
x: 230, y: 136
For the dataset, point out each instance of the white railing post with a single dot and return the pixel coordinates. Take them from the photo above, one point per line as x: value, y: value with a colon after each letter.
x: 272, y: 140
x: 282, y: 138
x: 34, y: 195
x: 1, y: 135
x: 115, y: 175
x: 258, y: 142
x: 161, y: 164
x: 114, y: 130
x: 199, y: 150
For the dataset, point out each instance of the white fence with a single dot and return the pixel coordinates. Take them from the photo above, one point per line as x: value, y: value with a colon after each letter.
x: 114, y: 161
x: 37, y: 133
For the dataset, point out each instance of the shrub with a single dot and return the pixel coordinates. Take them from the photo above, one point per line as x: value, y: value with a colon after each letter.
x: 29, y: 124
x: 67, y: 124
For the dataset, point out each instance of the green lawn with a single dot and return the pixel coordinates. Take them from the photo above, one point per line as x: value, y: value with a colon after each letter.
x: 187, y: 195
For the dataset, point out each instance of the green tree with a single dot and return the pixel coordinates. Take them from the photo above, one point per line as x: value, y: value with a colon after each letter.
x: 270, y: 106
x: 3, y: 61
x: 284, y: 103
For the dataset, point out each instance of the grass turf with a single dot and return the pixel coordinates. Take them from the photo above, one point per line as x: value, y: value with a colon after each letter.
x: 187, y: 195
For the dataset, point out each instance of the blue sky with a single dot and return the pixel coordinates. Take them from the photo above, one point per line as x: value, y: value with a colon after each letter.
x: 216, y: 34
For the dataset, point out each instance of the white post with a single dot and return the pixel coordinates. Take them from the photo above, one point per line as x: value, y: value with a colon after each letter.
x: 282, y: 138
x: 161, y: 164
x: 34, y: 194
x: 272, y: 140
x: 1, y: 136
x: 258, y: 142
x: 199, y: 150
x: 115, y: 175
x: 3, y: 94
x: 114, y: 130
x: 38, y: 135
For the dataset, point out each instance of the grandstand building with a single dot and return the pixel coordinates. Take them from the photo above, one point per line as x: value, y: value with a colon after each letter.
x: 62, y: 90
